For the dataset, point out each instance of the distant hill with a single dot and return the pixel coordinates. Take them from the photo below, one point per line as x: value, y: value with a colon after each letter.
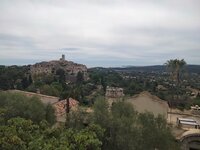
x: 194, y: 68
x: 157, y: 68
x: 147, y: 69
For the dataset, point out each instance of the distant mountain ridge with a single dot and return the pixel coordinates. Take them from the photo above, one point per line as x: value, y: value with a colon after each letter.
x: 149, y: 69
x: 157, y: 68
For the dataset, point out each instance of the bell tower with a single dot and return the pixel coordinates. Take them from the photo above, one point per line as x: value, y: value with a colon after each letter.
x: 62, y: 58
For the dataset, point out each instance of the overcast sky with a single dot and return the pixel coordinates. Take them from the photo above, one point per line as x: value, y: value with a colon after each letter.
x: 100, y: 32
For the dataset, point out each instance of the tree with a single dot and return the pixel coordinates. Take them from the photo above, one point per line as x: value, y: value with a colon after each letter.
x: 126, y: 129
x: 49, y: 90
x: 13, y: 77
x: 34, y: 109
x: 101, y: 113
x: 19, y: 133
x: 155, y: 133
x: 87, y: 140
x: 79, y: 77
x: 18, y: 105
x: 120, y: 132
x: 50, y: 114
x: 176, y: 67
x: 16, y: 133
x: 61, y: 75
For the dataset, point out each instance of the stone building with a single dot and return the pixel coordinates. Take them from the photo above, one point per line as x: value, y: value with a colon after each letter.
x: 51, y: 67
x: 62, y: 58
x: 114, y: 92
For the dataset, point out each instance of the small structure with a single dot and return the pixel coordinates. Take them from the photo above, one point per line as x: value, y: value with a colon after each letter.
x: 196, y: 107
x: 187, y: 123
x: 114, y: 92
x: 195, y: 110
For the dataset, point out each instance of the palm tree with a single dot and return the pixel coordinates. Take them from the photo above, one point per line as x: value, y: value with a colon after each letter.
x: 176, y: 67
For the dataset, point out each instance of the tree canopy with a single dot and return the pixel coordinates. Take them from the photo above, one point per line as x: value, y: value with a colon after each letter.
x: 19, y: 133
x: 18, y: 105
x: 126, y: 129
x: 26, y: 123
x: 176, y: 66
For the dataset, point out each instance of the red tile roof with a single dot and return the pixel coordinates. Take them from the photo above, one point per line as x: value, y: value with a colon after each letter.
x: 60, y: 107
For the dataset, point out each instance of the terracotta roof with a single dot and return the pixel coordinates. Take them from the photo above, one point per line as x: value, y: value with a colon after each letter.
x: 60, y: 107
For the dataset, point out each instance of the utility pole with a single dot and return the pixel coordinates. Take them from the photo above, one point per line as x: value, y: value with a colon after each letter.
x: 67, y: 106
x: 67, y: 112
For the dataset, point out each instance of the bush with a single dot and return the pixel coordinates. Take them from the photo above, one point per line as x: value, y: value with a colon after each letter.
x: 26, y: 107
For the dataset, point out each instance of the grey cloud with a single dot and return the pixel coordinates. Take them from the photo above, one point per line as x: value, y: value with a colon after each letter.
x: 72, y: 49
x: 16, y: 41
x: 113, y: 32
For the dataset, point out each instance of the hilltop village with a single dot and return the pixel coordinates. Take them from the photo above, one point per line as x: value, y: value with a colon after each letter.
x: 73, y: 93
x: 69, y: 68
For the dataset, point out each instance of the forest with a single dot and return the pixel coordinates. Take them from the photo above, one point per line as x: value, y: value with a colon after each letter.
x: 27, y: 124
